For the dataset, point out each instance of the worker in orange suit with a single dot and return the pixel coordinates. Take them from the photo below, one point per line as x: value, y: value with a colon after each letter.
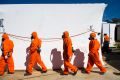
x: 67, y: 54
x: 105, y: 48
x: 106, y: 38
x: 93, y: 56
x: 34, y: 52
x: 6, y: 57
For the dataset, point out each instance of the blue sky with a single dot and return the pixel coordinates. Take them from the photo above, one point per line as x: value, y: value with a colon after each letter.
x: 112, y: 10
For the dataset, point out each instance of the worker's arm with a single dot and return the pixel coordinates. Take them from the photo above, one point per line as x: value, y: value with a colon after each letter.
x: 5, y: 48
x: 69, y: 48
x: 33, y: 47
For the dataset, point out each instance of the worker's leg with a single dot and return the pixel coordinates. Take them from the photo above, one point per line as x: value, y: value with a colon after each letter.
x: 70, y: 66
x: 2, y: 65
x: 89, y: 64
x: 31, y: 62
x: 10, y: 64
x: 99, y: 64
x: 40, y: 62
x: 66, y: 71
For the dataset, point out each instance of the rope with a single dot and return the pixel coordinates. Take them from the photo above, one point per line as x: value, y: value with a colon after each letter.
x: 19, y: 38
x: 43, y: 39
x: 80, y: 34
x: 50, y: 38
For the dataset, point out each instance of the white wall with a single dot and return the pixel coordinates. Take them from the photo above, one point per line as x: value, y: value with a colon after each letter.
x: 51, y: 20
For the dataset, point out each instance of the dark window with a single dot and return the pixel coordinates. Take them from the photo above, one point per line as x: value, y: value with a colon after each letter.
x: 117, y: 33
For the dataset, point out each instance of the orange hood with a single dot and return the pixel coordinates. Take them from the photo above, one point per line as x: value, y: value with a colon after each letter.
x: 93, y: 35
x: 34, y: 34
x: 5, y: 36
x: 66, y: 34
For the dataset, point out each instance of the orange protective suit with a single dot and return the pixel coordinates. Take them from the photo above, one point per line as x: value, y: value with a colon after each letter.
x: 105, y: 48
x: 94, y: 55
x: 67, y: 53
x: 34, y: 54
x: 7, y: 50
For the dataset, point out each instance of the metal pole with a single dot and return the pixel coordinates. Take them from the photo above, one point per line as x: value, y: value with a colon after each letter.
x: 109, y: 30
x: 102, y: 34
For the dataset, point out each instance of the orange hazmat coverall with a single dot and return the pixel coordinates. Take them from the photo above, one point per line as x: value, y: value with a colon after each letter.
x: 34, y: 54
x: 106, y: 44
x: 94, y: 55
x: 67, y: 53
x: 7, y: 50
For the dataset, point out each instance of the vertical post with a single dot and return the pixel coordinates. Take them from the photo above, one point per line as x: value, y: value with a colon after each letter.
x: 102, y: 34
x: 109, y: 30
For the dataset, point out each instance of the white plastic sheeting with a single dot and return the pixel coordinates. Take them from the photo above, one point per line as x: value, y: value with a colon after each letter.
x: 51, y: 20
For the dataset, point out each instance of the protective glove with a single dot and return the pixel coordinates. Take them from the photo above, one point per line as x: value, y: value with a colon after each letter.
x: 6, y: 57
x: 39, y: 50
x: 73, y: 50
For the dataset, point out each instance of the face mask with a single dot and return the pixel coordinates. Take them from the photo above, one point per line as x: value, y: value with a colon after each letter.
x: 31, y: 37
x: 90, y: 38
x: 62, y: 36
x: 3, y: 39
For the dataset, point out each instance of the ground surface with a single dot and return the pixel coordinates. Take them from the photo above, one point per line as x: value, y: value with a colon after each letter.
x: 113, y: 73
